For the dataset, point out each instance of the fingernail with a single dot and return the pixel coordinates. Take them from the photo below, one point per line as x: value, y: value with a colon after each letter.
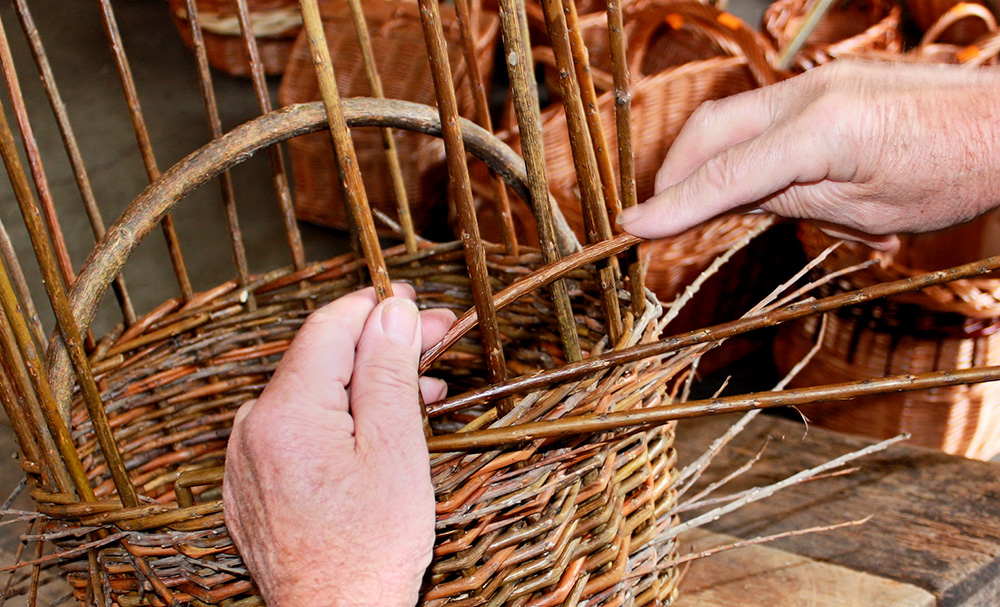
x: 399, y: 320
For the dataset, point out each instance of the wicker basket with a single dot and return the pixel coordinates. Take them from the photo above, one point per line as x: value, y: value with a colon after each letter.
x: 396, y: 37
x: 936, y: 46
x: 276, y: 23
x: 953, y: 326
x: 962, y: 31
x: 850, y: 27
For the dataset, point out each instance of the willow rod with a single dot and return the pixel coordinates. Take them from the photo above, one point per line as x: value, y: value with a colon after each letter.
x: 518, y: 60
x: 388, y: 142
x: 458, y: 171
x: 595, y: 212
x: 620, y: 420
x: 35, y: 164
x: 626, y: 156
x: 466, y: 29
x: 347, y: 160
x: 279, y: 175
x: 66, y: 324
x: 72, y: 147
x: 145, y: 143
x: 9, y: 256
x: 580, y: 369
x: 215, y: 124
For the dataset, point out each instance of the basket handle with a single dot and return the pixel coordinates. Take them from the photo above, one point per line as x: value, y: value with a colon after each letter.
x: 955, y: 14
x: 725, y: 28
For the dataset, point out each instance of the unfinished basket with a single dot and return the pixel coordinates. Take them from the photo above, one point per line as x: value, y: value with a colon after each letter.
x: 850, y: 27
x: 275, y: 23
x: 946, y: 327
x: 395, y: 33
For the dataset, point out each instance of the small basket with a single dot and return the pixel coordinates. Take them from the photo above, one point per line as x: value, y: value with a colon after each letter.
x: 397, y: 36
x: 938, y: 46
x: 850, y: 28
x: 276, y: 23
x: 943, y: 327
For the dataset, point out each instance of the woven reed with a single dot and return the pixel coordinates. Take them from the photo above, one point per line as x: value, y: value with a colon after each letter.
x: 850, y: 28
x: 398, y: 42
x: 943, y: 327
x: 276, y: 23
x: 531, y: 520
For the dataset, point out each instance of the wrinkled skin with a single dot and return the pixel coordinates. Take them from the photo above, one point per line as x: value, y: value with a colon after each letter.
x: 328, y: 491
x: 868, y: 150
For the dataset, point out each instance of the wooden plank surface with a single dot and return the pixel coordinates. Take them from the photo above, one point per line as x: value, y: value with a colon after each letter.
x: 935, y: 518
x: 762, y: 576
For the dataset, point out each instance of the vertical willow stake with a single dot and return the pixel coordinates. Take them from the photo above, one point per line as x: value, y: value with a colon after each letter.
x: 626, y: 157
x: 388, y: 142
x: 595, y: 211
x: 347, y: 160
x: 458, y: 171
x: 68, y: 330
x: 518, y: 61
x: 145, y: 144
x: 467, y: 31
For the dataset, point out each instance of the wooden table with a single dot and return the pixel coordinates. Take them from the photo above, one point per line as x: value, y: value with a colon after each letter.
x: 934, y: 536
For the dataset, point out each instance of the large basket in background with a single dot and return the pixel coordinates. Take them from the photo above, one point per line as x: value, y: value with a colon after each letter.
x: 397, y: 37
x: 849, y: 28
x: 276, y: 23
x: 944, y: 327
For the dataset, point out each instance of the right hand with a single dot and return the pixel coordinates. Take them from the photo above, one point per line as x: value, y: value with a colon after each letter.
x: 869, y: 150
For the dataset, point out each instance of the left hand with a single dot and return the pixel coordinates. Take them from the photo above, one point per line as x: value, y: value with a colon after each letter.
x: 328, y: 491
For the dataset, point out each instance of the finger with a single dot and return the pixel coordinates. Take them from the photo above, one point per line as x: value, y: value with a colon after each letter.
x: 433, y: 389
x: 434, y: 324
x: 713, y: 127
x: 384, y: 397
x: 320, y: 361
x: 738, y: 176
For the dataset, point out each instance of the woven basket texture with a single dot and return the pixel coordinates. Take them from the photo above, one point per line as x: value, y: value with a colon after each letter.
x: 398, y: 43
x: 850, y: 28
x: 276, y: 24
x: 529, y: 520
x: 944, y: 327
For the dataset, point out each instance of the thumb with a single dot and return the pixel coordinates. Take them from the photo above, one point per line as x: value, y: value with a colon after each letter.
x: 384, y: 386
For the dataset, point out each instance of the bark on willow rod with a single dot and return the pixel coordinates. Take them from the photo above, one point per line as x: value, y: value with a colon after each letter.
x: 388, y: 142
x: 518, y: 60
x: 279, y: 175
x: 594, y: 210
x: 458, y: 171
x: 145, y: 144
x: 347, y: 160
x: 72, y: 147
x: 793, y: 311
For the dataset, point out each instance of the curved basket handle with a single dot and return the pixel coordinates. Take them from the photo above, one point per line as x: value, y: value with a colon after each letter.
x: 960, y: 11
x: 726, y: 29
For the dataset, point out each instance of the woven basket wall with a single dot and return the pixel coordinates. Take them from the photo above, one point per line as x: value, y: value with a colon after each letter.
x: 954, y: 326
x: 276, y: 23
x: 850, y: 27
x: 397, y: 39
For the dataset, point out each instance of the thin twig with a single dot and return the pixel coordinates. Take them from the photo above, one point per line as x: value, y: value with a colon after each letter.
x: 71, y: 552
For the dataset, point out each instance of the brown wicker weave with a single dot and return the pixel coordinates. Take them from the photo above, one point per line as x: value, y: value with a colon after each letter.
x: 850, y: 27
x: 276, y: 24
x: 953, y: 326
x: 397, y: 40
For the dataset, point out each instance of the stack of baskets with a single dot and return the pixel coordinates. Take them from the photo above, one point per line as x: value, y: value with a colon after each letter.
x: 953, y: 326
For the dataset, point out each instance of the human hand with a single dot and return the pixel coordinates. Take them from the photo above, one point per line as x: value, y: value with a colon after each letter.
x: 327, y: 489
x: 869, y: 150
